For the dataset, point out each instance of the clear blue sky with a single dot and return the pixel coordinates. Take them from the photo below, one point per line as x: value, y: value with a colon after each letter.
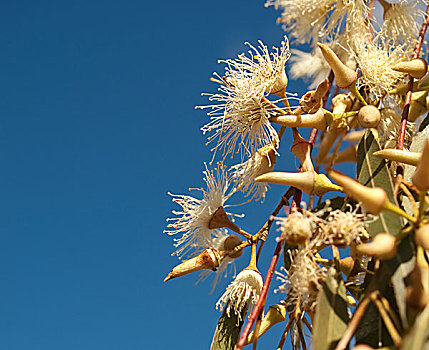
x: 97, y: 123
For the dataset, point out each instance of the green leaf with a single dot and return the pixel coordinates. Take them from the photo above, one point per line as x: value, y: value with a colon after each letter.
x: 417, y: 337
x: 331, y: 318
x: 373, y: 172
x: 228, y: 330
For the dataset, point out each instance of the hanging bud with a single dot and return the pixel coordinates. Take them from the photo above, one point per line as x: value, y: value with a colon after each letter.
x: 418, y: 105
x: 313, y: 121
x: 275, y: 314
x: 423, y: 83
x: 383, y: 246
x: 347, y: 155
x: 396, y: 155
x: 369, y: 116
x: 422, y: 236
x: 301, y: 149
x: 309, y: 181
x: 344, y: 76
x: 417, y: 67
x: 420, y: 178
x: 372, y: 198
x: 417, y: 292
x: 231, y: 242
x: 209, y: 259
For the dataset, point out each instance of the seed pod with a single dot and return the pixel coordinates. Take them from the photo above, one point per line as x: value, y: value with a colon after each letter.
x: 369, y: 116
x: 231, y: 242
x: 383, y: 246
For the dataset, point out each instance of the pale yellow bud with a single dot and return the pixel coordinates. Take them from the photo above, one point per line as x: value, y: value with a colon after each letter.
x: 383, y: 246
x: 354, y: 136
x: 396, y: 155
x: 417, y: 67
x: 372, y: 198
x: 422, y: 236
x: 341, y: 103
x: 316, y: 120
x: 420, y: 178
x: 275, y: 314
x: 309, y: 181
x: 418, y: 105
x: 208, y: 259
x: 423, y: 83
x: 231, y: 242
x: 344, y: 76
x: 402, y: 89
x: 369, y: 116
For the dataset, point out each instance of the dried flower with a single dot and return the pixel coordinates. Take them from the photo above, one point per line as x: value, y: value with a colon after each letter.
x: 296, y: 228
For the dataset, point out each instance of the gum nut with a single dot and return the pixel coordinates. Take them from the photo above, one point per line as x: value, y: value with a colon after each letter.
x: 369, y: 116
x: 231, y: 242
x: 417, y: 67
x: 383, y: 246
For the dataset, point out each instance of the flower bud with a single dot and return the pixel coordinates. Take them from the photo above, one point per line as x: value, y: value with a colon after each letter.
x: 423, y: 83
x: 301, y: 149
x: 422, y: 236
x: 372, y: 198
x: 344, y: 76
x: 354, y: 136
x: 369, y: 116
x: 308, y: 181
x: 418, y: 105
x: 420, y: 178
x: 383, y: 246
x: 231, y: 242
x: 341, y: 103
x: 208, y: 259
x: 316, y: 120
x: 275, y: 314
x: 417, y: 67
x: 396, y: 155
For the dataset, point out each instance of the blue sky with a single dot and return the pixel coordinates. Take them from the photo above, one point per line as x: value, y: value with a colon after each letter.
x: 97, y: 124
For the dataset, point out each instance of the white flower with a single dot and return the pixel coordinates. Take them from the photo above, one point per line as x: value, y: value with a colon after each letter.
x: 296, y: 228
x: 243, y: 292
x: 375, y: 60
x: 194, y: 218
x: 303, y: 19
x: 245, y: 173
x: 310, y: 65
x: 390, y: 125
x: 303, y: 280
x: 345, y: 227
x: 240, y: 117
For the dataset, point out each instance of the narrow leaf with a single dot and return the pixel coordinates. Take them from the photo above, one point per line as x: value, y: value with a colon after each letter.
x: 228, y: 330
x: 373, y: 172
x: 331, y: 318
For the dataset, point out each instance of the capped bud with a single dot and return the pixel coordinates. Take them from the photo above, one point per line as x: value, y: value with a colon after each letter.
x: 372, y: 198
x: 275, y: 314
x: 417, y: 292
x: 396, y: 155
x: 383, y: 246
x: 231, y: 242
x: 341, y: 103
x: 418, y: 105
x: 402, y: 89
x: 369, y: 116
x: 347, y: 155
x: 422, y: 236
x: 344, y: 76
x: 417, y: 67
x: 308, y: 181
x: 423, y: 83
x: 420, y: 178
x: 354, y: 136
x: 209, y: 259
x: 313, y: 121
